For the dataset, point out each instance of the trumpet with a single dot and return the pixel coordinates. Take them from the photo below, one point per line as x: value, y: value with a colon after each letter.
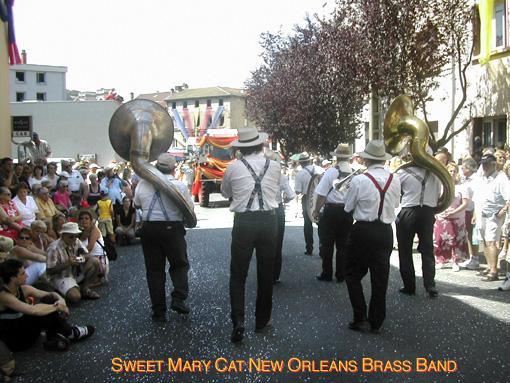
x: 337, y: 184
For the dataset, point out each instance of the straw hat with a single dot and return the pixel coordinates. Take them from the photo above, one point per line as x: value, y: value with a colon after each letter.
x: 375, y: 150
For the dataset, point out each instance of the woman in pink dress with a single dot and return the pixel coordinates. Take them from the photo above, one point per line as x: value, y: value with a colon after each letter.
x: 9, y: 215
x: 450, y: 237
x: 61, y: 197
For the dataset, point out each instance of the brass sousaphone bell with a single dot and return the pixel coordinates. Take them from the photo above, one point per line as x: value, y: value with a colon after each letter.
x: 401, y: 127
x: 140, y: 130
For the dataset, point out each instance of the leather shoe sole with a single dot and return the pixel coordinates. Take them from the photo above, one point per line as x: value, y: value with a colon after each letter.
x: 406, y: 291
x: 265, y: 329
x: 322, y: 278
x: 180, y: 307
x: 356, y: 325
x: 432, y: 291
x: 237, y: 334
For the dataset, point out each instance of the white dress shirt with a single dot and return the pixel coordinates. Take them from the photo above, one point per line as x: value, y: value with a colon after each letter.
x: 75, y: 180
x: 238, y: 184
x: 286, y: 190
x: 364, y: 199
x: 325, y: 186
x: 303, y: 178
x: 412, y: 187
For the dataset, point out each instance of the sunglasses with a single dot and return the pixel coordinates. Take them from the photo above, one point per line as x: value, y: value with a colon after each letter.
x: 73, y: 236
x: 85, y: 217
x: 24, y: 237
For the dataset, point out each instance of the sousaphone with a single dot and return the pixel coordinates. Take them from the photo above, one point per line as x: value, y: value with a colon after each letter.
x: 140, y: 130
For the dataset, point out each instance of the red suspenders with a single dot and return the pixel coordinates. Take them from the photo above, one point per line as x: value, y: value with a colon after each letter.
x: 382, y: 192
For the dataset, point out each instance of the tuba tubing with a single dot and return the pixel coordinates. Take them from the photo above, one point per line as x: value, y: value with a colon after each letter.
x: 140, y: 130
x: 402, y: 127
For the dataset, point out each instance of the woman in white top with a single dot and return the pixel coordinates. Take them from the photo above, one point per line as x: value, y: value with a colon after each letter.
x: 34, y: 259
x: 37, y: 176
x: 52, y: 175
x: 26, y: 205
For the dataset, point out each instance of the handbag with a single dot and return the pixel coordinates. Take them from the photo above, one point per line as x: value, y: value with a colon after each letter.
x: 109, y: 248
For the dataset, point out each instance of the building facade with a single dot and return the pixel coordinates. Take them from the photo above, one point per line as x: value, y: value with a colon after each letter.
x: 29, y: 82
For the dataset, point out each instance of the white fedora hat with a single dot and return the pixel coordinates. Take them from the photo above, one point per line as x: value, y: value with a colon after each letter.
x: 249, y: 136
x: 375, y: 150
x: 342, y: 151
x: 70, y: 228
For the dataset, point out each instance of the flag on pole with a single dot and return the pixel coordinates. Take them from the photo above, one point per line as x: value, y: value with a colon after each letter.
x: 486, y: 9
x: 7, y: 17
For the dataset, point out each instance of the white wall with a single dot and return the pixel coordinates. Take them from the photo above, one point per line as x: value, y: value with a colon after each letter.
x: 54, y: 86
x: 71, y: 128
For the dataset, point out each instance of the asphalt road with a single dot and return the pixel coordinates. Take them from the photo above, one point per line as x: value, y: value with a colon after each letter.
x: 464, y: 330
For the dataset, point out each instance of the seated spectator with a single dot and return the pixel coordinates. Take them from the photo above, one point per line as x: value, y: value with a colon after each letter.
x: 93, y: 193
x: 20, y: 332
x: 49, y: 229
x: 8, y: 177
x: 6, y: 245
x: 40, y: 238
x: 58, y: 220
x: 9, y: 215
x: 92, y: 238
x: 34, y: 259
x: 47, y: 208
x: 26, y: 174
x: 61, y: 197
x: 26, y: 205
x: 52, y: 176
x: 37, y: 176
x: 70, y: 268
x: 126, y: 220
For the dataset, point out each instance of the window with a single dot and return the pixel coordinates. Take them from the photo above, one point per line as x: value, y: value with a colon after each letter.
x: 41, y: 78
x: 498, y: 25
x: 493, y: 131
x: 41, y: 96
x: 221, y: 102
x: 20, y: 96
x: 208, y: 102
x: 174, y: 105
x: 222, y: 121
x: 185, y: 104
x: 20, y: 76
x: 197, y: 103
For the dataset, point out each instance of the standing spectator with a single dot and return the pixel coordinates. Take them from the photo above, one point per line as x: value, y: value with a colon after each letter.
x: 93, y: 194
x: 301, y: 187
x: 106, y: 215
x: 26, y: 205
x: 450, y: 239
x: 163, y: 239
x: 469, y: 168
x: 7, y: 176
x: 39, y: 148
x: 252, y: 183
x: 75, y: 181
x: 372, y: 198
x: 114, y: 186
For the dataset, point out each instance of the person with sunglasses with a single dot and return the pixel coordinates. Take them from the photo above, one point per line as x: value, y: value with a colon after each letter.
x: 34, y: 259
x: 70, y: 268
x: 9, y: 215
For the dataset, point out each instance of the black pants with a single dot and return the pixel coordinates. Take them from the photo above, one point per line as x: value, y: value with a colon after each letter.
x: 307, y: 227
x: 280, y: 217
x: 369, y: 248
x: 334, y: 229
x: 251, y: 231
x: 411, y: 221
x: 20, y: 334
x: 163, y: 241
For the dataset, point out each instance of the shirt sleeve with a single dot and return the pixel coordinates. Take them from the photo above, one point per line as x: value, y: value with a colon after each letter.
x: 352, y: 194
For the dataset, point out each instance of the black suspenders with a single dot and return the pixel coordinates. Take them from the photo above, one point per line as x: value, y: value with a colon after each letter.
x: 257, y: 190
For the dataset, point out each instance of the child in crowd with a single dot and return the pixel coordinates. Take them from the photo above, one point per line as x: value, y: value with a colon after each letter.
x: 105, y: 207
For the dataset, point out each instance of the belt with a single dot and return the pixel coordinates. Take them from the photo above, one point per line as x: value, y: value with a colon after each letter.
x: 256, y: 213
x: 334, y: 205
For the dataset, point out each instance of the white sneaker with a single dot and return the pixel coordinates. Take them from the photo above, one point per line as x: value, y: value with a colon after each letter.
x: 455, y: 267
x: 471, y: 264
x: 505, y: 285
x: 439, y: 266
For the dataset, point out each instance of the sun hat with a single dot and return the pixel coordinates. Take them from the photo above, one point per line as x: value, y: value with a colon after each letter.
x: 304, y: 157
x: 488, y: 158
x: 342, y: 151
x: 375, y: 150
x: 249, y: 136
x: 94, y: 166
x: 70, y: 228
x: 65, y: 174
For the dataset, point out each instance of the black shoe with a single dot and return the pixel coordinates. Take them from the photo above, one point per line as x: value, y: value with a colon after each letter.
x: 432, y: 292
x: 340, y: 280
x: 406, y: 291
x: 262, y: 330
x: 237, y: 334
x: 58, y: 343
x: 357, y: 325
x: 180, y: 307
x: 323, y: 278
x: 277, y: 281
x: 82, y: 332
x: 158, y: 317
x: 308, y: 253
x: 376, y: 330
